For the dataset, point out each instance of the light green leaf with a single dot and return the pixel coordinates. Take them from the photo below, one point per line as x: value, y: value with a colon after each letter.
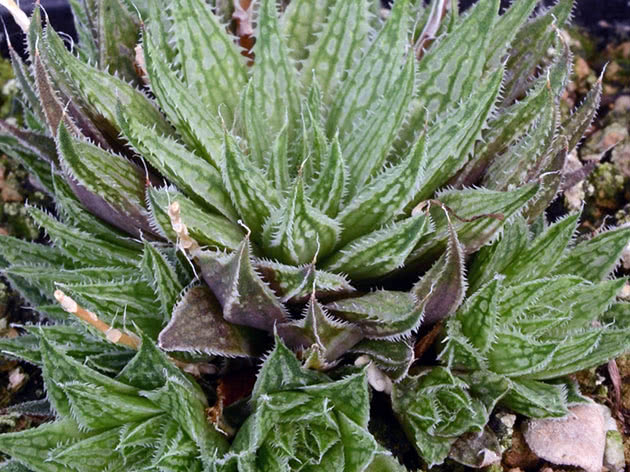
x: 380, y: 252
x: 297, y: 233
x: 373, y: 75
x: 253, y: 195
x: 198, y: 179
x: 157, y: 270
x: 207, y: 229
x: 596, y: 258
x: 338, y: 47
x: 386, y: 196
x: 381, y: 313
x: 211, y: 63
x: 118, y: 182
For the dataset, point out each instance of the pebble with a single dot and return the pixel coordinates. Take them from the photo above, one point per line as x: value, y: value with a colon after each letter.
x: 579, y: 439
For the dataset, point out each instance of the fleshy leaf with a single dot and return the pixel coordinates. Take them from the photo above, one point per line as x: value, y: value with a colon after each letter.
x: 197, y: 325
x: 441, y: 290
x: 111, y: 177
x: 297, y: 233
x: 206, y: 228
x: 378, y: 253
x: 381, y: 314
x: 246, y: 299
x: 211, y: 63
x: 318, y: 329
x: 338, y: 47
x: 157, y: 270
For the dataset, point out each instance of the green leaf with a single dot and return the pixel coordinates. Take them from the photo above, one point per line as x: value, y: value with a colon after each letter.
x: 157, y: 270
x: 73, y: 213
x: 429, y: 405
x: 82, y: 247
x: 45, y: 277
x: 297, y: 283
x: 478, y: 205
x: 338, y: 47
x: 452, y: 138
x: 386, y: 196
x: 29, y: 141
x: 206, y: 228
x: 84, y: 19
x: 96, y: 408
x: 118, y: 182
x: 505, y: 29
x: 252, y: 194
x: 393, y: 357
x: 494, y: 258
x: 94, y: 452
x: 380, y: 252
x: 199, y: 130
x: 317, y: 329
x: 451, y: 69
x: 530, y: 46
x: 381, y: 314
x: 26, y: 82
x: 40, y: 170
x: 272, y: 97
x: 373, y: 75
x: 197, y: 325
x: 121, y: 303
x: 302, y: 22
x: 585, y: 351
x: 282, y: 371
x: 543, y: 253
x: 536, y: 399
x: 327, y: 191
x: 297, y: 233
x: 596, y: 258
x: 32, y: 446
x: 117, y: 35
x: 59, y: 369
x: 99, y: 91
x: 532, y: 151
x: 574, y: 127
x: 367, y: 146
x: 479, y: 315
x: 198, y: 179
x: 211, y: 62
x: 185, y: 407
x: 20, y: 252
x: 515, y: 355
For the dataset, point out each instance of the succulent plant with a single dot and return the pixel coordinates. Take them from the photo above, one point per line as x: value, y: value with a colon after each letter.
x: 209, y: 199
x: 539, y: 310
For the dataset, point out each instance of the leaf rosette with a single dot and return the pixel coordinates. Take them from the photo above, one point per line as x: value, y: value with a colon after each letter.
x: 303, y: 421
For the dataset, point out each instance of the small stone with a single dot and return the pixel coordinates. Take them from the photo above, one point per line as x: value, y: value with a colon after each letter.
x: 622, y: 104
x: 579, y: 439
x: 582, y: 70
x: 614, y: 459
x: 17, y: 379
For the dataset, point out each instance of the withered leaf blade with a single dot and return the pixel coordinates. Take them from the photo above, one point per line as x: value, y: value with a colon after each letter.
x: 246, y: 298
x: 443, y: 287
x: 197, y: 325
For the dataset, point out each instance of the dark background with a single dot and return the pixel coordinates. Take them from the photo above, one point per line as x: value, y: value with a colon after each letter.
x: 604, y: 18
